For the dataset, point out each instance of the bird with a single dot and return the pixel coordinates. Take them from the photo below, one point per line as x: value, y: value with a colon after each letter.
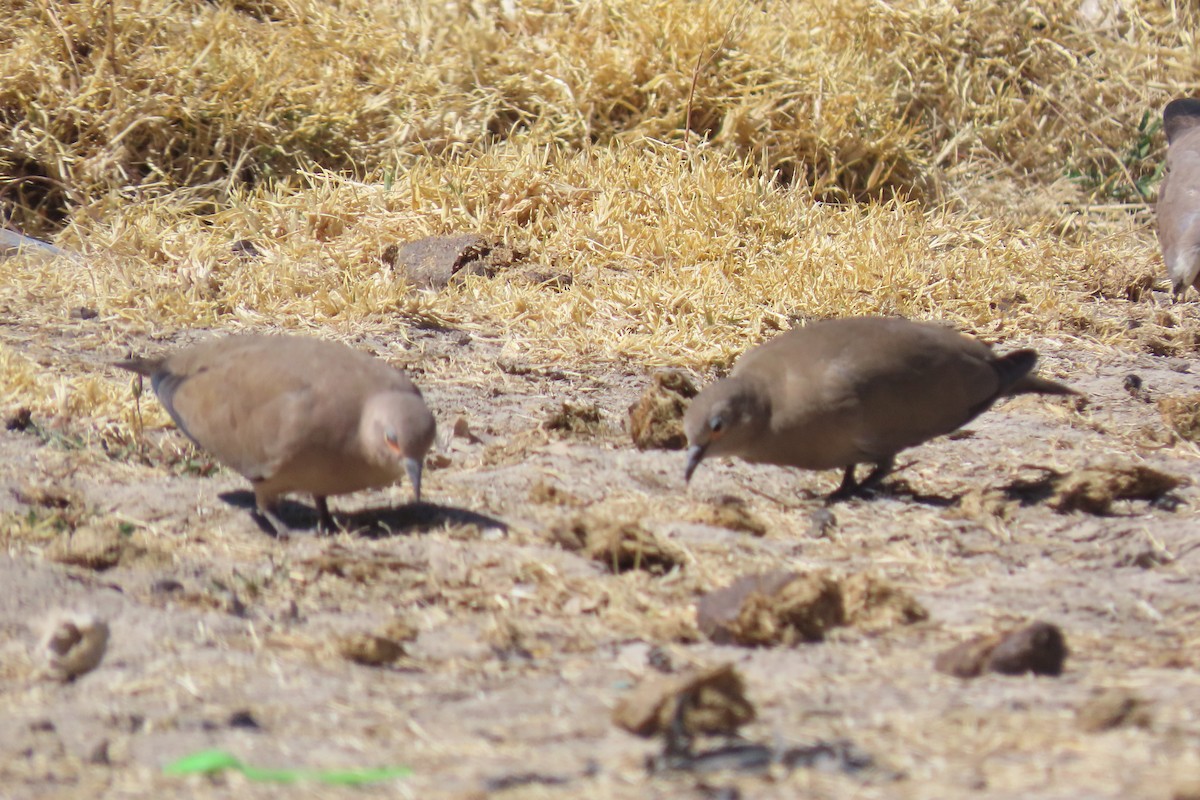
x: 295, y: 414
x: 1178, y: 209
x: 840, y: 392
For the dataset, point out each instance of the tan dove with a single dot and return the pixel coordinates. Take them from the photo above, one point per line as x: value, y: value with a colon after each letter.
x: 1178, y: 208
x: 837, y: 393
x: 295, y: 414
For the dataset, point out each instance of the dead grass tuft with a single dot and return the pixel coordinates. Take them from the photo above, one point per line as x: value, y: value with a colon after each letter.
x: 1182, y: 414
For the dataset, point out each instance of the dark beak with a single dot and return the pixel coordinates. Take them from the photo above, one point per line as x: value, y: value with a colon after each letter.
x: 413, y: 467
x: 695, y: 455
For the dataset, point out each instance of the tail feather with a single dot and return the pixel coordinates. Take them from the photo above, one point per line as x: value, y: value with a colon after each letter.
x: 1032, y: 384
x: 1013, y: 368
x: 1016, y: 375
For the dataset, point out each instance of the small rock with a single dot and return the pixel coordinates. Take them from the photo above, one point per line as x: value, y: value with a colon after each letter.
x: 1039, y: 648
x: 243, y: 719
x: 20, y: 421
x: 659, y: 659
x: 244, y: 248
x: 1133, y: 385
x: 98, y: 754
x: 821, y: 523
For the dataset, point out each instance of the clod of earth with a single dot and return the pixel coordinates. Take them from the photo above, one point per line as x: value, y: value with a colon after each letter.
x: 656, y: 419
x: 1039, y: 647
x: 714, y: 702
x: 787, y: 608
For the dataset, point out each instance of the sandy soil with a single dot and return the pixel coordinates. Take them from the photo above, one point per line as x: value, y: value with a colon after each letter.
x: 523, y: 647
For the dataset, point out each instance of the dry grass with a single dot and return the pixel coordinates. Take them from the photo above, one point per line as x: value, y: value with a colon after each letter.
x: 705, y: 173
x: 676, y: 161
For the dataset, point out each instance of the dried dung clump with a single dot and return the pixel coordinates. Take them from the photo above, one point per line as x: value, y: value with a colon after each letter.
x: 1094, y: 489
x: 1113, y: 708
x: 772, y: 608
x: 618, y: 544
x: 787, y: 607
x: 873, y: 604
x: 93, y: 546
x: 377, y: 649
x: 704, y: 701
x: 728, y: 512
x: 580, y: 419
x: 72, y: 644
x: 1182, y: 414
x: 369, y: 649
x: 656, y: 419
x: 341, y: 562
x: 1039, y: 647
x: 435, y: 261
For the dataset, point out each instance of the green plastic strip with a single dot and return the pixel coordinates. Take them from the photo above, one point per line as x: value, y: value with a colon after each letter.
x: 208, y: 762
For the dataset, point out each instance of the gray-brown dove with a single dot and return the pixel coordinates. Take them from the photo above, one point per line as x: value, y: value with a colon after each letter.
x: 1178, y: 208
x: 837, y: 393
x: 295, y: 414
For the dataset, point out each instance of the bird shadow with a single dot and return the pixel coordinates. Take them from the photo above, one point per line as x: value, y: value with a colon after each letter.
x: 372, y: 523
x: 900, y: 488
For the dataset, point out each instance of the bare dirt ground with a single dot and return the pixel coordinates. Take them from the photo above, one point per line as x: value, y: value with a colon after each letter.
x: 523, y: 647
